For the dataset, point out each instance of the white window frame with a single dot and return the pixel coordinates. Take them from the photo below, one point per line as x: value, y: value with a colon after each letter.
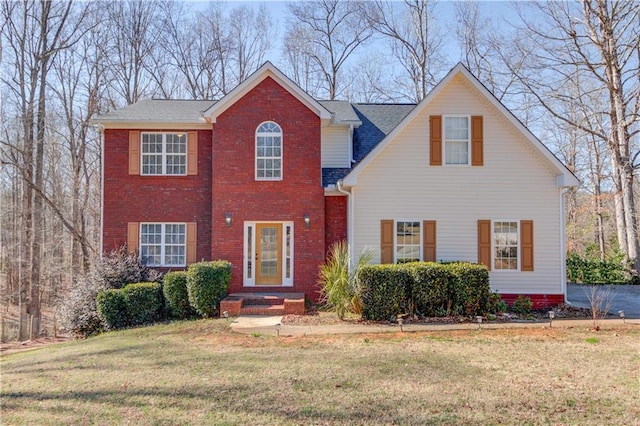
x: 281, y: 157
x: 164, y: 153
x: 163, y: 244
x: 248, y: 254
x: 444, y: 140
x: 494, y: 245
x: 395, y: 238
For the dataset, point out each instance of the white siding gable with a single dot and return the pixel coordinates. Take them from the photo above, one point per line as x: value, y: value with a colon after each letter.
x: 335, y: 150
x: 514, y: 184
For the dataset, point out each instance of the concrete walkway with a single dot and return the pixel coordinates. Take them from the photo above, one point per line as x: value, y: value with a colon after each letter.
x: 271, y: 325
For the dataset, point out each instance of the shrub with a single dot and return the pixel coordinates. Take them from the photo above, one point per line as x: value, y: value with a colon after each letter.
x: 431, y: 288
x: 78, y: 311
x: 591, y: 269
x: 112, y: 309
x: 143, y: 302
x: 174, y: 288
x: 385, y: 291
x: 496, y: 305
x: 522, y: 305
x: 207, y: 285
x: 340, y: 288
x: 470, y: 290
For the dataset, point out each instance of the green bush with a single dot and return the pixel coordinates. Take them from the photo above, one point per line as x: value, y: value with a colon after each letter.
x: 174, y: 288
x: 112, y: 309
x: 431, y: 289
x: 522, y: 305
x: 470, y: 290
x: 590, y: 269
x: 424, y: 289
x: 207, y: 285
x: 144, y: 302
x: 496, y: 305
x: 385, y: 291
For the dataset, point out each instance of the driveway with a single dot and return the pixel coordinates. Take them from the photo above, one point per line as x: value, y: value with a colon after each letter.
x: 624, y: 297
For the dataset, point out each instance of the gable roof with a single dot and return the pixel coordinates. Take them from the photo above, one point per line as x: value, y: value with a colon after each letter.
x: 159, y: 110
x: 565, y: 177
x: 266, y: 70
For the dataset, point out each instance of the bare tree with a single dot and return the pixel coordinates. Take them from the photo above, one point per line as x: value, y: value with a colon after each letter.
x: 328, y: 32
x: 415, y: 40
x: 600, y: 39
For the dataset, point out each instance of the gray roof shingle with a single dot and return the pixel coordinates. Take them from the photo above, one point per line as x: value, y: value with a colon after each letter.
x: 160, y: 110
x: 342, y: 111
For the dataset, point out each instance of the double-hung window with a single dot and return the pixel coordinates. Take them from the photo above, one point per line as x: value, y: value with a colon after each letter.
x: 163, y: 244
x: 456, y: 140
x: 505, y: 245
x: 164, y: 154
x: 407, y: 241
x: 269, y: 151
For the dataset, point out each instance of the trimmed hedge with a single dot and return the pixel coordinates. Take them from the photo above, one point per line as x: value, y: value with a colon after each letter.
x: 112, y: 309
x: 207, y: 285
x: 176, y: 295
x: 424, y: 289
x: 385, y: 290
x: 144, y: 302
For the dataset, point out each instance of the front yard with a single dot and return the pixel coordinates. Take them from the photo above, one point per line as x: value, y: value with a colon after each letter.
x: 199, y: 372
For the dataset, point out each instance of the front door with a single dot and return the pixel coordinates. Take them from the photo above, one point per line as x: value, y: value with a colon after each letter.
x: 268, y: 254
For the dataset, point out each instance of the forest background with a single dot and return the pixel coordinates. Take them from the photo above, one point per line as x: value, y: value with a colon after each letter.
x: 568, y: 70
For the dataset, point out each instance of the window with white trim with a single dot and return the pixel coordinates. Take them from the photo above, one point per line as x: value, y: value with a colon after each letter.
x: 408, y: 241
x: 164, y: 154
x: 269, y: 151
x: 456, y: 140
x: 505, y: 245
x: 163, y: 244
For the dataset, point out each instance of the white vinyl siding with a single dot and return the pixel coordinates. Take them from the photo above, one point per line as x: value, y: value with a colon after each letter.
x: 514, y: 183
x: 335, y: 146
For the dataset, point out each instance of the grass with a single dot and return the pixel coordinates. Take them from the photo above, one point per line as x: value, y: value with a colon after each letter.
x: 199, y: 372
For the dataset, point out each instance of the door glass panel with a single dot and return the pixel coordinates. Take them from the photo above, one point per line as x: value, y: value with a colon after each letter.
x: 269, y: 251
x: 249, y: 252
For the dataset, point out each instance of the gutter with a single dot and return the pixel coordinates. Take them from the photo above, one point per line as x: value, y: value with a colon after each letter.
x: 563, y: 250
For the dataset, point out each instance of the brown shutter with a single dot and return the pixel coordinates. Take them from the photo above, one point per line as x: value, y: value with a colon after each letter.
x: 526, y: 245
x: 386, y: 241
x: 429, y: 241
x: 133, y: 235
x: 192, y: 242
x: 435, y: 140
x: 192, y: 153
x: 477, y: 149
x: 134, y: 152
x: 484, y: 243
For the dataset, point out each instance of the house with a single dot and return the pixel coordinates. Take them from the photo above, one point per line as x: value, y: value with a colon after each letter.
x: 268, y: 178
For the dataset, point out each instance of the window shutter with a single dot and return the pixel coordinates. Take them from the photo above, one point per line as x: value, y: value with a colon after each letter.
x: 191, y: 242
x: 435, y: 145
x: 134, y: 152
x: 484, y: 243
x: 526, y: 245
x: 477, y: 149
x: 192, y: 153
x: 429, y: 240
x: 133, y: 237
x: 386, y: 241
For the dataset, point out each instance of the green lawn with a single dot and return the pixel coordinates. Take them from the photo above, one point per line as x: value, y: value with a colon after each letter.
x: 201, y: 373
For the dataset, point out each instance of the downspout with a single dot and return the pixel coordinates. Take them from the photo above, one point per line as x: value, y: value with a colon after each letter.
x: 350, y: 210
x: 563, y: 250
x: 100, y: 249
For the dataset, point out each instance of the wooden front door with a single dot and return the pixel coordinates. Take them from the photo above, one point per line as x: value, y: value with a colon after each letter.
x: 269, y: 254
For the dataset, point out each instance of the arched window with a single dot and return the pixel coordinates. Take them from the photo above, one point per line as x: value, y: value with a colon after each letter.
x: 269, y: 151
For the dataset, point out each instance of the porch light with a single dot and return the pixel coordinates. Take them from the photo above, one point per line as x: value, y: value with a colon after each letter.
x: 306, y: 220
x: 621, y: 313
x: 552, y: 315
x: 227, y: 219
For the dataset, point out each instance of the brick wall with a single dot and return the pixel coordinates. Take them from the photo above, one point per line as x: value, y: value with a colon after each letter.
x: 236, y: 191
x: 129, y: 198
x: 335, y: 211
